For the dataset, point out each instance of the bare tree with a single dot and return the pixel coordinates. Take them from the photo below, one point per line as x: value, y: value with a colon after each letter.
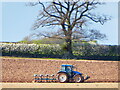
x: 72, y: 17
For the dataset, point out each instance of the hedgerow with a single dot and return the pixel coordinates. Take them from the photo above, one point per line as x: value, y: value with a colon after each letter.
x: 32, y: 50
x: 96, y: 50
x: 55, y: 50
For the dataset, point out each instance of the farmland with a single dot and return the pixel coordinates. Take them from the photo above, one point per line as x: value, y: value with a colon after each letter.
x: 23, y: 69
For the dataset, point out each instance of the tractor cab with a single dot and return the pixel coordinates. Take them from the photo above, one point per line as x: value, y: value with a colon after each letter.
x: 66, y: 68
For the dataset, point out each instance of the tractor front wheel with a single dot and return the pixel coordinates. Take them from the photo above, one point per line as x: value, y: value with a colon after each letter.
x: 62, y: 77
x: 78, y: 78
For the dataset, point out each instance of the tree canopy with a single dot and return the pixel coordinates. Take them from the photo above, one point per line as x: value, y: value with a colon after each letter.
x: 72, y: 16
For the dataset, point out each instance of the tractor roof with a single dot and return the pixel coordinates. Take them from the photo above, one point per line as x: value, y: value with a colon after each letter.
x: 63, y: 65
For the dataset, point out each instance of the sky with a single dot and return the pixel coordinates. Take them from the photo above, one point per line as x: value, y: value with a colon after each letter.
x: 17, y: 20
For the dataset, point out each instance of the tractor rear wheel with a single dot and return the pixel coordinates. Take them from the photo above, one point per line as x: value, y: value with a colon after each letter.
x: 78, y: 78
x: 62, y: 77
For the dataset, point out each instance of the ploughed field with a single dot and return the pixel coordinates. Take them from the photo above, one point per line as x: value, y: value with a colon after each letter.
x: 22, y: 70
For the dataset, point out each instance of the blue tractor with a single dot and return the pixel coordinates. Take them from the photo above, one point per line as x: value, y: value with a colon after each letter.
x: 66, y: 74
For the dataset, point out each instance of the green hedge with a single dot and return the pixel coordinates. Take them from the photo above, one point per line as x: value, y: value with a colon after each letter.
x: 55, y: 50
x: 96, y: 50
x: 30, y: 50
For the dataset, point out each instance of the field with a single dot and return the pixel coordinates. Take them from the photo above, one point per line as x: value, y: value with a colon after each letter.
x: 22, y: 69
x: 59, y: 85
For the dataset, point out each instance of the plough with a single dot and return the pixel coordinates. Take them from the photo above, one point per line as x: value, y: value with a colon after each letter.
x: 46, y: 78
x: 66, y: 74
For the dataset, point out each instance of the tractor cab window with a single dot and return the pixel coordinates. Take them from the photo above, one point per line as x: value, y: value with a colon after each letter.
x: 68, y: 69
x: 62, y: 68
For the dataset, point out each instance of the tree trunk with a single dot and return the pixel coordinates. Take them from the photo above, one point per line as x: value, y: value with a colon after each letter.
x: 69, y: 53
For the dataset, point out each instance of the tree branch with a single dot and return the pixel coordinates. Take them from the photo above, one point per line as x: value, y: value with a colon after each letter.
x: 48, y: 12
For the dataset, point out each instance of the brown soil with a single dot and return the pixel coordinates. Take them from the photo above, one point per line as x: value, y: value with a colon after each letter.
x: 22, y: 70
